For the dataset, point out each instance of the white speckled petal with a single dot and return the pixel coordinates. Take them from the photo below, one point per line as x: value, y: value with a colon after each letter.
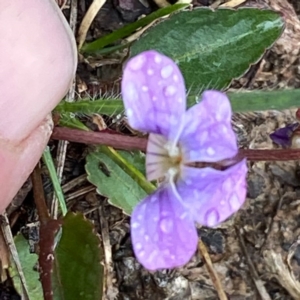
x: 207, y: 135
x: 213, y: 195
x: 153, y: 92
x: 163, y: 233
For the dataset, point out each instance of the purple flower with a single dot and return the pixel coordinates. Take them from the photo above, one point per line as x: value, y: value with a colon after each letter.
x: 283, y: 136
x: 163, y: 225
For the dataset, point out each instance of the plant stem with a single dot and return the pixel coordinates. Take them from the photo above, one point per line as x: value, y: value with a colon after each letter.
x: 39, y: 198
x: 124, y: 142
x: 117, y: 141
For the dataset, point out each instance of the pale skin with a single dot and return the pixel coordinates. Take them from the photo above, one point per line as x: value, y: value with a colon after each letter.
x: 38, y: 63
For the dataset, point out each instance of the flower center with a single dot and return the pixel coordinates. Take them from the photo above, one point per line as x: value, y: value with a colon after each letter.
x: 163, y: 158
x: 174, y: 153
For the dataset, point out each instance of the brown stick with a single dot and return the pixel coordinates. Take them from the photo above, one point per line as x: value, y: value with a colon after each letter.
x: 117, y: 141
x: 212, y: 273
x: 39, y: 197
x: 124, y: 142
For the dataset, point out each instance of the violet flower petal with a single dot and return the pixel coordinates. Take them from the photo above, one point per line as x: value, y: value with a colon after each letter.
x: 207, y: 135
x: 213, y: 195
x: 283, y: 136
x: 162, y: 231
x: 153, y: 92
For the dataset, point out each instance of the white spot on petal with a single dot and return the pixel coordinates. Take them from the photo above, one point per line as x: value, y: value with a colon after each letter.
x: 147, y: 238
x: 179, y: 100
x: 138, y: 246
x: 166, y: 71
x: 140, y: 217
x: 145, y: 88
x: 234, y: 202
x: 166, y: 225
x: 175, y: 78
x: 152, y: 256
x: 219, y: 117
x: 212, y: 217
x: 170, y: 90
x: 157, y: 59
x: 135, y: 225
x: 154, y: 98
x: 131, y: 92
x: 137, y: 62
x: 183, y: 216
x: 129, y: 112
x: 210, y: 151
x: 224, y: 129
x: 227, y: 185
x: 142, y: 253
x: 173, y: 120
x: 150, y: 72
x: 202, y: 137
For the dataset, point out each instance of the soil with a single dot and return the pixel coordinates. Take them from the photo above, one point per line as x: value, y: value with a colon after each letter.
x: 256, y: 253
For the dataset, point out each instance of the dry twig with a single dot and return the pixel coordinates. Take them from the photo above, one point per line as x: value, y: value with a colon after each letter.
x: 213, y: 274
x: 6, y: 230
x: 87, y: 20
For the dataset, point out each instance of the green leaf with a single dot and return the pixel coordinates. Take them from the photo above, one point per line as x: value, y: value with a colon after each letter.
x: 78, y: 272
x: 100, y: 43
x: 265, y: 100
x: 240, y: 102
x: 135, y: 158
x: 29, y: 263
x: 86, y: 106
x: 117, y: 179
x: 71, y: 121
x: 213, y: 47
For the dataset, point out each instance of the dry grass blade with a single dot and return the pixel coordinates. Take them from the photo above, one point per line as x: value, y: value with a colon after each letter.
x: 213, y: 274
x: 233, y: 3
x: 216, y: 4
x: 138, y: 33
x: 5, y: 227
x: 162, y: 3
x: 87, y: 21
x: 74, y: 182
x: 80, y: 192
x: 4, y: 258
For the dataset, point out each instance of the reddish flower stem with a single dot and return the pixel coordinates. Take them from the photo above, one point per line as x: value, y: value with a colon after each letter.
x: 124, y: 142
x: 117, y: 141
